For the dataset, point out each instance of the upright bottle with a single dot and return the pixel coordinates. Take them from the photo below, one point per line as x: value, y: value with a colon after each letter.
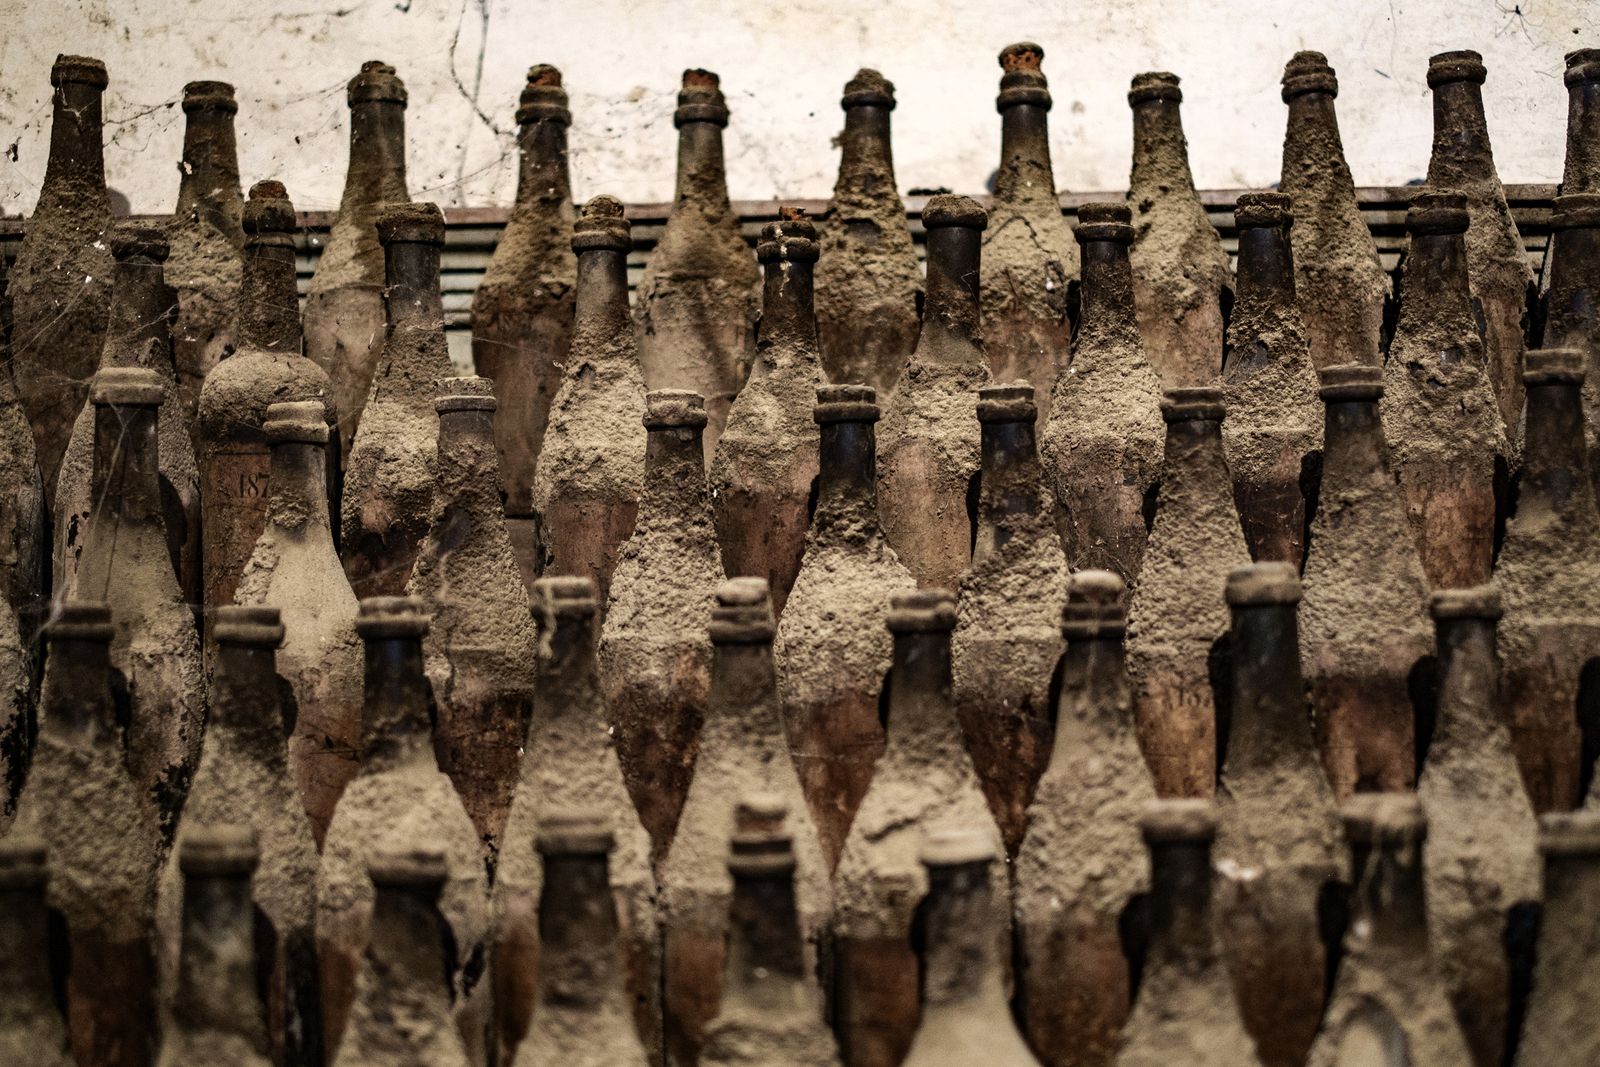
x: 1558, y: 1027
x: 1363, y: 629
x: 295, y: 570
x: 345, y: 305
x: 105, y: 844
x: 765, y: 467
x: 1343, y: 285
x: 655, y: 661
x: 583, y: 1017
x: 522, y: 311
x: 61, y: 281
x: 265, y: 368
x: 1503, y: 286
x: 480, y: 648
x: 591, y: 468
x: 742, y: 750
x: 1581, y: 173
x: 1182, y: 286
x: 207, y: 239
x: 1439, y: 413
x: 1082, y: 868
x: 125, y: 563
x: 869, y: 285
x: 1482, y: 865
x: 1574, y: 277
x: 1278, y: 834
x: 388, y: 484
x: 1186, y: 1006
x: 772, y: 1007
x: 1030, y: 257
x: 1389, y: 980
x: 1273, y: 435
x: 398, y: 794
x: 404, y: 961
x: 31, y: 1027
x: 138, y: 334
x: 832, y: 649
x: 24, y: 552
x: 569, y: 760
x: 1178, y: 619
x: 930, y: 447
x: 1102, y: 443
x: 923, y: 782
x: 699, y: 296
x: 217, y: 1012
x: 1007, y: 641
x: 1551, y: 583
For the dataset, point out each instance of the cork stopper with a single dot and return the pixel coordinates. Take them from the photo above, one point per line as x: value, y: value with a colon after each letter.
x: 228, y: 849
x: 81, y: 620
x: 948, y: 209
x: 602, y: 227
x: 1350, y: 381
x: 422, y: 222
x: 130, y: 239
x: 845, y: 403
x: 1196, y: 404
x: 1105, y: 220
x: 792, y: 237
x: 574, y: 832
x: 1463, y: 66
x: 665, y: 409
x: 1263, y: 583
x: 132, y: 387
x: 1154, y: 85
x: 1183, y: 821
x: 381, y: 617
x: 296, y: 422
x: 762, y: 844
x: 24, y: 863
x: 1553, y: 366
x: 376, y: 81
x: 1011, y: 402
x: 701, y: 99
x: 1437, y: 212
x: 1308, y: 72
x: 209, y: 96
x: 567, y: 596
x: 1575, y: 211
x: 868, y: 89
x: 1379, y: 819
x: 956, y: 848
x: 543, y: 97
x: 742, y: 614
x: 466, y: 393
x: 269, y: 210
x: 1583, y: 65
x: 1023, y: 81
x: 408, y: 868
x: 79, y: 70
x: 1260, y: 210
x: 924, y: 611
x: 1570, y: 834
x: 1478, y: 602
x: 1097, y: 606
x: 254, y: 626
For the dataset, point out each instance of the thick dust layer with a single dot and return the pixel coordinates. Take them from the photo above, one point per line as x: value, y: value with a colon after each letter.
x: 1402, y: 987
x: 753, y: 1034
x: 582, y: 1037
x: 23, y: 552
x: 770, y: 442
x: 1561, y: 1010
x: 204, y: 265
x: 1186, y: 1013
x: 595, y: 442
x: 16, y: 682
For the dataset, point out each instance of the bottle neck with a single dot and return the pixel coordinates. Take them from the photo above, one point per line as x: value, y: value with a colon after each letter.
x: 921, y: 701
x: 76, y: 703
x: 543, y: 176
x: 847, y: 488
x: 1582, y: 171
x: 1270, y: 728
x: 1025, y: 173
x: 702, y: 174
x: 1312, y: 140
x: 397, y: 712
x: 298, y: 490
x: 377, y: 173
x: 744, y: 680
x: 1096, y: 698
x: 577, y: 933
x: 950, y: 324
x: 26, y: 990
x: 1469, y: 674
x: 469, y: 471
x: 674, y: 472
x: 1009, y: 496
x: 568, y: 678
x: 1354, y: 450
x: 269, y: 305
x: 245, y: 704
x: 1160, y: 151
x: 866, y: 159
x: 1461, y: 151
x: 208, y: 186
x: 75, y: 174
x: 1193, y: 458
x: 1391, y: 896
x: 407, y: 946
x: 961, y: 965
x: 601, y: 301
x: 1555, y: 465
x: 127, y: 479
x: 411, y: 295
x: 141, y: 307
x: 1574, y: 286
x: 217, y: 960
x: 1106, y: 318
x: 1435, y: 285
x: 1266, y: 267
x: 787, y: 333
x: 1180, y: 903
x: 764, y: 947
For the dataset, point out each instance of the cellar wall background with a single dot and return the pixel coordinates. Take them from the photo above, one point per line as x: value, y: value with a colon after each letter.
x: 782, y: 66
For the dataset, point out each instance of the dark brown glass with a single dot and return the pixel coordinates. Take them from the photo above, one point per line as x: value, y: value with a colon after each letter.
x: 31, y: 1027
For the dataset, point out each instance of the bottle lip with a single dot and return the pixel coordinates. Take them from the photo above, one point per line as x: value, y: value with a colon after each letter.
x: 1194, y: 404
x: 209, y: 96
x: 1462, y: 65
x: 1384, y: 819
x: 846, y: 403
x: 602, y: 226
x: 1570, y: 833
x: 1308, y: 72
x: 1437, y: 212
x: 1154, y: 85
x: 297, y: 422
x: 1261, y: 584
x: 381, y: 617
x: 255, y: 626
x: 742, y: 614
x: 1023, y: 81
x: 791, y: 237
x: 130, y: 239
x: 1554, y: 366
x: 700, y: 100
x: 543, y: 99
x: 418, y: 867
x: 1583, y: 65
x: 1007, y: 403
x: 868, y: 89
x: 567, y: 596
x: 923, y: 611
x: 950, y: 209
x: 127, y: 387
x: 1263, y: 209
x: 81, y: 620
x: 79, y: 70
x: 761, y: 844
x: 1096, y: 605
x: 421, y: 223
x: 268, y: 209
x: 956, y: 847
x: 377, y: 81
x: 667, y: 409
x: 469, y: 392
x: 1477, y: 602
x: 1573, y: 211
x: 228, y: 849
x: 24, y: 862
x: 1184, y: 820
x: 574, y: 832
x: 1350, y: 381
x: 1105, y: 221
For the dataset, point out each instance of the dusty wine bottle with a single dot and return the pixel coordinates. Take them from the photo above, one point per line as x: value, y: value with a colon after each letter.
x: 1574, y: 277
x: 1581, y: 170
x: 24, y: 552
x: 1563, y: 1002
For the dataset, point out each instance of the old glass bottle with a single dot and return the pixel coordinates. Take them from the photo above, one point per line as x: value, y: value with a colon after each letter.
x: 1581, y: 171
x: 31, y: 1027
x: 700, y: 293
x: 1007, y: 641
x: 832, y: 649
x: 1558, y: 1028
x: 1177, y: 619
x: 869, y: 285
x: 929, y: 453
x: 1102, y: 443
x: 591, y: 466
x: 345, y: 304
x: 1181, y: 281
x: 1574, y: 276
x: 24, y: 553
x: 1363, y: 631
x: 765, y: 468
x: 924, y: 781
x: 1273, y: 434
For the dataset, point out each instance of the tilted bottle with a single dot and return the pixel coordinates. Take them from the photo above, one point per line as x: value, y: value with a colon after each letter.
x: 1482, y: 870
x: 480, y: 647
x: 1273, y: 434
x: 1102, y: 443
x: 1182, y: 286
x: 832, y: 649
x: 1503, y: 286
x: 583, y: 1018
x: 522, y: 310
x: 1340, y: 283
x: 1439, y: 414
x: 1363, y: 629
x: 1558, y: 1028
x: 1574, y: 277
x: 1389, y: 980
x: 207, y: 239
x: 655, y: 660
x: 742, y: 751
x: 31, y: 1027
x: 1550, y: 582
x: 105, y: 844
x: 764, y: 471
x: 700, y: 293
x: 60, y: 285
x: 1279, y: 842
x: 772, y: 1007
x: 243, y: 781
x: 1029, y: 255
x: 1007, y: 640
x: 345, y: 304
x: 388, y: 483
x: 591, y: 467
x: 24, y: 552
x: 399, y: 794
x: 138, y: 334
x: 295, y: 570
x: 1186, y: 1010
x: 569, y: 760
x: 217, y: 1012
x: 929, y: 445
x: 923, y: 782
x: 125, y: 562
x: 1178, y: 618
x: 869, y: 285
x: 1082, y: 868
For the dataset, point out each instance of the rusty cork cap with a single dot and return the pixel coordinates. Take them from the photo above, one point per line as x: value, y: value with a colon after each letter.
x: 761, y: 844
x: 24, y: 862
x: 376, y: 81
x: 1011, y: 402
x: 1257, y: 584
x: 1384, y: 819
x: 1575, y: 211
x: 422, y: 223
x: 1023, y: 82
x: 296, y: 422
x: 566, y: 596
x: 225, y: 850
x: 79, y: 70
x: 268, y: 210
x: 1197, y: 404
x: 602, y: 226
x: 868, y: 89
x: 700, y: 99
x: 956, y: 848
x: 742, y: 614
x: 1583, y: 65
x: 133, y: 387
x: 80, y: 620
x: 574, y: 832
x: 1477, y: 602
x: 543, y: 98
x: 1462, y: 66
x: 1096, y: 606
x: 1179, y: 821
x: 1553, y: 366
x: 209, y: 96
x: 1105, y: 220
x: 130, y: 239
x: 923, y: 611
x: 1350, y: 381
x: 949, y: 209
x: 1308, y: 72
x: 382, y: 617
x: 1258, y: 210
x: 1570, y: 833
x: 1437, y: 212
x: 408, y: 868
x: 791, y: 237
x: 665, y: 409
x: 466, y: 393
x: 845, y: 403
x: 256, y: 625
x: 1154, y: 85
